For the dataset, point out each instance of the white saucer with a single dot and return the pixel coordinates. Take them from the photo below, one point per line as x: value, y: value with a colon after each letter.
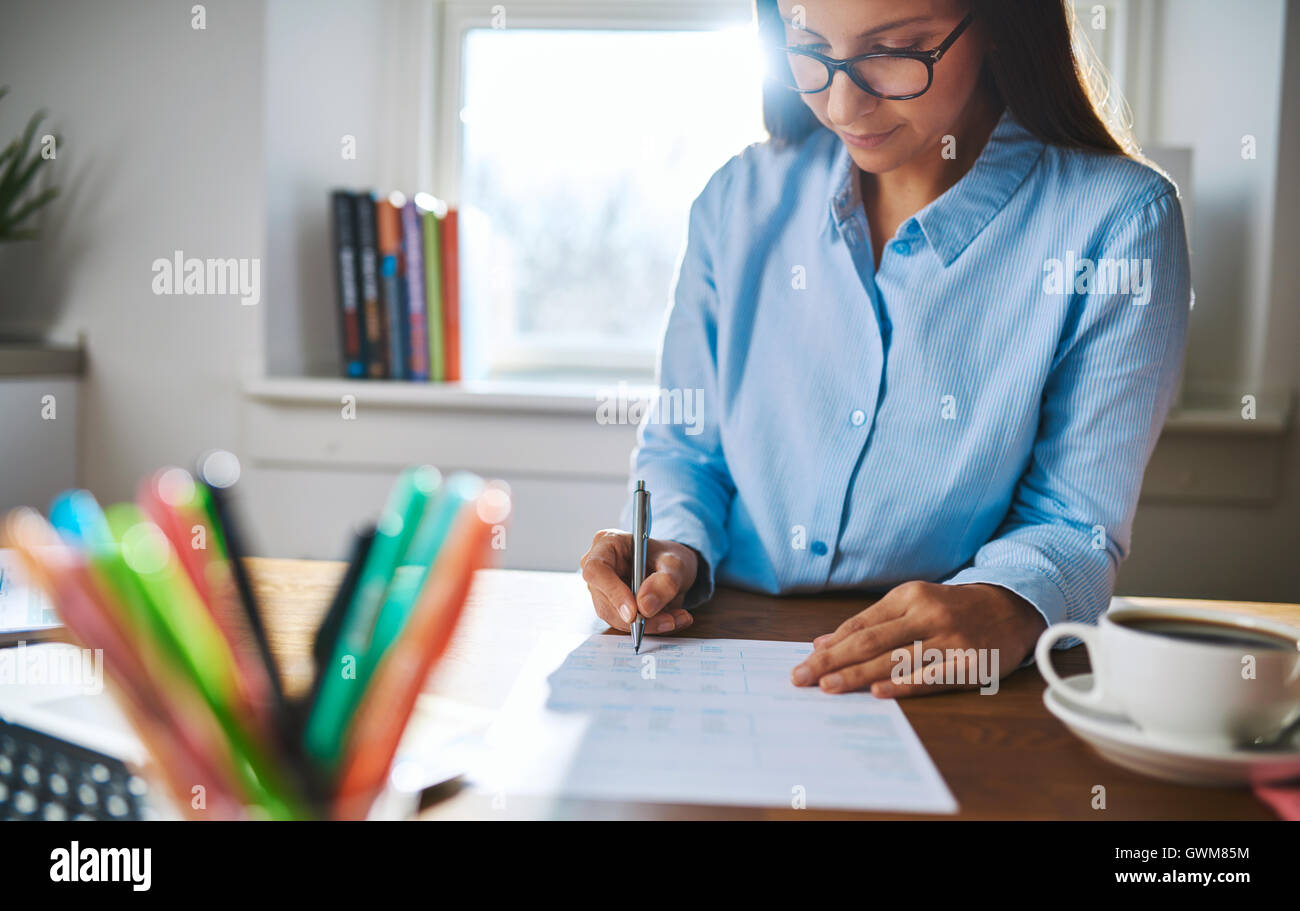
x: 1122, y: 742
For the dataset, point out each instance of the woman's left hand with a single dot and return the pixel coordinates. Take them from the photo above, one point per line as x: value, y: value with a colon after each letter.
x: 860, y: 654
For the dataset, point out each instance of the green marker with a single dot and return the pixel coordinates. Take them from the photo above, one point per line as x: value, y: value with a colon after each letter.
x: 80, y: 511
x: 344, y: 679
x: 461, y: 489
x: 175, y: 608
x: 148, y: 553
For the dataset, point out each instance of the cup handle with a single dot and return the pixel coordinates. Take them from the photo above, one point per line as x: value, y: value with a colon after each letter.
x: 1090, y: 698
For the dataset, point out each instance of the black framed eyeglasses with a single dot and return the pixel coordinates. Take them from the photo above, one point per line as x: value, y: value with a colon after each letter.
x: 891, y: 75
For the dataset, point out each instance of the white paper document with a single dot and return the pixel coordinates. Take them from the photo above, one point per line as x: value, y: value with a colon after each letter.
x: 702, y: 721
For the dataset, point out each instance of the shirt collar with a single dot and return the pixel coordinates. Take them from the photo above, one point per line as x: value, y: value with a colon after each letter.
x: 953, y: 220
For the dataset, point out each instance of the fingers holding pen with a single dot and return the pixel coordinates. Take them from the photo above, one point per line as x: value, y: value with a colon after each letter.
x: 671, y: 570
x: 663, y: 592
x: 603, y: 569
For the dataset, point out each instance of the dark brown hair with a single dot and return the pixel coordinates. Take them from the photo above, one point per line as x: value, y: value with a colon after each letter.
x: 1031, y: 67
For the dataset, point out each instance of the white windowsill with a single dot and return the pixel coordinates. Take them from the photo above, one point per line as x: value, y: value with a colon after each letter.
x: 531, y: 396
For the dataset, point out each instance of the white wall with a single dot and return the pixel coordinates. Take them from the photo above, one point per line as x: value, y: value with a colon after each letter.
x: 1245, y: 331
x: 314, y: 474
x: 162, y: 150
x: 38, y: 448
x: 1216, y: 78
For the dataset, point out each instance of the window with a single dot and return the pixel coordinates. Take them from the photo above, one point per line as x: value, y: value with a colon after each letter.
x: 580, y: 151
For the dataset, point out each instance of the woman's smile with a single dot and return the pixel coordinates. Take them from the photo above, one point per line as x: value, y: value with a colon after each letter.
x: 868, y: 140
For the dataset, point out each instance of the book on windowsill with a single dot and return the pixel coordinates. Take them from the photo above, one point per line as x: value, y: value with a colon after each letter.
x: 397, y: 282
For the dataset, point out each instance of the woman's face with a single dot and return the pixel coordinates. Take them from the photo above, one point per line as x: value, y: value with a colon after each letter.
x: 882, y: 135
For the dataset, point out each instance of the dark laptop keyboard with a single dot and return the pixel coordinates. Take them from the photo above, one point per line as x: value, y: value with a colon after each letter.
x: 42, y: 777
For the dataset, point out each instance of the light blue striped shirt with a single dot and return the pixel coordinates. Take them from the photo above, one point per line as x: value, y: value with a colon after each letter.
x: 981, y: 408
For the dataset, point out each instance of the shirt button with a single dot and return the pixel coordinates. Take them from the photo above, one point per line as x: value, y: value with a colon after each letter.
x: 901, y: 247
x: 819, y: 548
x: 858, y: 417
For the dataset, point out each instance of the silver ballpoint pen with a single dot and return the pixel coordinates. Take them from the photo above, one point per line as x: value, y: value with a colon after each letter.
x: 640, y: 553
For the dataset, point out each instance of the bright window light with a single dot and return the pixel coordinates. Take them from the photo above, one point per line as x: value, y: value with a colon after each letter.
x: 581, y: 153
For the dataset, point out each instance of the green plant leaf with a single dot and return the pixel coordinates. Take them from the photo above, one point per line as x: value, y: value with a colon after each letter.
x: 16, y: 177
x: 26, y: 174
x: 13, y: 220
x: 17, y: 173
x: 20, y: 156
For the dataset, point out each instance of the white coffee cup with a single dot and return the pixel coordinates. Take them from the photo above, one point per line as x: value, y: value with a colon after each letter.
x: 1195, y: 693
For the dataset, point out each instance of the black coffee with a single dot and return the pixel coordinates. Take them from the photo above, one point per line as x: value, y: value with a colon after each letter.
x: 1208, y: 632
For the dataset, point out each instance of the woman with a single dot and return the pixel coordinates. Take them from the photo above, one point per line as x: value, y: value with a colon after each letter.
x: 936, y: 323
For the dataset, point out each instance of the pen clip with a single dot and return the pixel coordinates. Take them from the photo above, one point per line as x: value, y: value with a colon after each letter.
x: 640, y: 534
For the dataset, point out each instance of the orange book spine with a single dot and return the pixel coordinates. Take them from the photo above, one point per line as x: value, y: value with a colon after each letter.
x: 451, y: 295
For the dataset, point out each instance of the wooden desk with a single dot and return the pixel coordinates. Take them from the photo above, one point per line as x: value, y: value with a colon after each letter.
x: 1004, y: 756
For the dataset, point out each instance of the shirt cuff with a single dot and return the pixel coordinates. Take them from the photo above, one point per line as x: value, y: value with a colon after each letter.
x: 686, y: 529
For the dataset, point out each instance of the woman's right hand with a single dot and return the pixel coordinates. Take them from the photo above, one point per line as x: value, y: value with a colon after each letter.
x: 670, y: 573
